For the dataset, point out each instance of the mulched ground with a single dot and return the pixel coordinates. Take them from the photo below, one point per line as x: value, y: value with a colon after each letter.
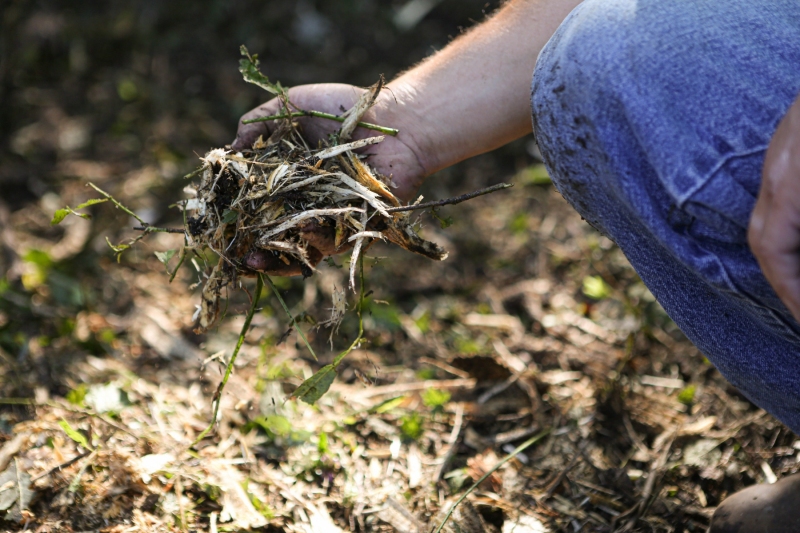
x: 535, y: 325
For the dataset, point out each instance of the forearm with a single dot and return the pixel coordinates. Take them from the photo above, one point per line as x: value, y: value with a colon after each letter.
x: 474, y: 95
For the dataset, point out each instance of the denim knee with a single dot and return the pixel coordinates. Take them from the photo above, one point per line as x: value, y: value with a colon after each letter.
x: 572, y: 87
x: 653, y: 118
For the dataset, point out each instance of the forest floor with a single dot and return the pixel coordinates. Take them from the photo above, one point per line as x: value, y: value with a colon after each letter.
x: 535, y: 326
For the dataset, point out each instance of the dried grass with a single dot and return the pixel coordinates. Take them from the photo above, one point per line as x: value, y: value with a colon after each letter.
x: 269, y: 203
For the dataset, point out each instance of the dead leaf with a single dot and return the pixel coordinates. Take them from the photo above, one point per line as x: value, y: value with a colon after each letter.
x: 15, y: 492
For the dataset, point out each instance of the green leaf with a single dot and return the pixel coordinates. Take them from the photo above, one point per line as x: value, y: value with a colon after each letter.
x: 59, y: 216
x: 165, y: 256
x: 77, y: 395
x: 596, y: 288
x: 445, y: 222
x: 91, y: 202
x: 388, y: 405
x: 686, y: 396
x: 229, y: 216
x: 248, y: 66
x: 314, y: 387
x: 434, y: 398
x: 74, y: 434
x: 322, y: 445
x: 411, y: 426
x: 274, y: 425
x: 39, y: 258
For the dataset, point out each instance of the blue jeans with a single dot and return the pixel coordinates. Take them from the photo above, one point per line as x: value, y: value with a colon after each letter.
x: 653, y: 118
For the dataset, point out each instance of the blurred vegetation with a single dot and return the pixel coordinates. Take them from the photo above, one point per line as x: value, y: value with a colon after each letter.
x: 121, y: 81
x: 129, y: 94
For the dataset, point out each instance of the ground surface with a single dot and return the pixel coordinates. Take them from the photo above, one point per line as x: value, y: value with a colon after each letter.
x: 535, y: 324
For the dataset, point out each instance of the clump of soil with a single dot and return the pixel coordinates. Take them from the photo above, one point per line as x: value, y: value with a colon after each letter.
x: 283, y: 205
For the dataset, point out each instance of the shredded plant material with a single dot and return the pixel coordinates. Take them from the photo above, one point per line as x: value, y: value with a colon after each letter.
x: 285, y: 203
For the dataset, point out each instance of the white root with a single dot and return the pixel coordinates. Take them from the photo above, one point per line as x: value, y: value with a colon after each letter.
x: 333, y: 151
x: 294, y: 220
x: 370, y: 234
x: 275, y: 175
x: 365, y: 193
x: 357, y: 251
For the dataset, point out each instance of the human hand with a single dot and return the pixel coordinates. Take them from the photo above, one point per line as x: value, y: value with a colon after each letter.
x: 396, y: 157
x: 774, y: 231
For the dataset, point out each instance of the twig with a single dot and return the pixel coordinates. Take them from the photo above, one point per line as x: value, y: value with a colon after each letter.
x: 497, y: 389
x: 181, y: 259
x: 116, y: 203
x: 450, y: 201
x: 451, y: 441
x: 12, y: 448
x: 92, y: 414
x: 61, y: 466
x: 444, y: 366
x: 519, y: 449
x: 56, y: 405
x: 563, y: 474
x: 400, y: 388
x: 154, y: 229
x: 217, y: 400
x: 361, y: 296
x: 181, y: 505
x: 644, y: 502
x: 319, y: 114
x: 76, y: 481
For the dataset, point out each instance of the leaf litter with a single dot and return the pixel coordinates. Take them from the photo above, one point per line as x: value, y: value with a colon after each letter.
x: 602, y: 374
x: 279, y: 200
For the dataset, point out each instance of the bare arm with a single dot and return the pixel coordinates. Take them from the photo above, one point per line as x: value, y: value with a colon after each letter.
x: 474, y: 95
x: 469, y: 98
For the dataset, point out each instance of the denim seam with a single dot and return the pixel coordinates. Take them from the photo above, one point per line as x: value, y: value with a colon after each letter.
x: 685, y: 197
x: 733, y: 287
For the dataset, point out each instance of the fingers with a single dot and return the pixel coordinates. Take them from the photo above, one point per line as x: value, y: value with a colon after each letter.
x: 247, y: 134
x: 273, y: 264
x: 322, y: 238
x: 775, y: 241
x: 774, y: 229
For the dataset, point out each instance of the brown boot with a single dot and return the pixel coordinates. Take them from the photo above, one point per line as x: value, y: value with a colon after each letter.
x: 761, y: 509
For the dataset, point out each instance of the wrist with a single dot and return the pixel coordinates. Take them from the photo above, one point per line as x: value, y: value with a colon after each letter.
x: 395, y: 107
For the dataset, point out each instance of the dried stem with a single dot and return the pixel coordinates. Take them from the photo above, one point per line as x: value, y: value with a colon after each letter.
x: 360, y: 336
x: 229, y: 368
x: 119, y: 205
x: 451, y: 201
x: 180, y: 262
x: 319, y: 114
x: 154, y: 229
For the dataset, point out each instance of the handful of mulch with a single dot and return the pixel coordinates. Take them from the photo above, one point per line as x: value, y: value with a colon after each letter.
x: 284, y: 204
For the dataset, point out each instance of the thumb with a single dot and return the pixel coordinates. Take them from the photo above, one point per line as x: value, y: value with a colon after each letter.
x: 247, y: 134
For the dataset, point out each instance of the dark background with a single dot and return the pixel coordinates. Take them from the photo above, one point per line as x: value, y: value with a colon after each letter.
x: 151, y: 82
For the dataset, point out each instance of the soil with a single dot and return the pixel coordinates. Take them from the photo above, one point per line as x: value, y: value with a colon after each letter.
x: 535, y: 324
